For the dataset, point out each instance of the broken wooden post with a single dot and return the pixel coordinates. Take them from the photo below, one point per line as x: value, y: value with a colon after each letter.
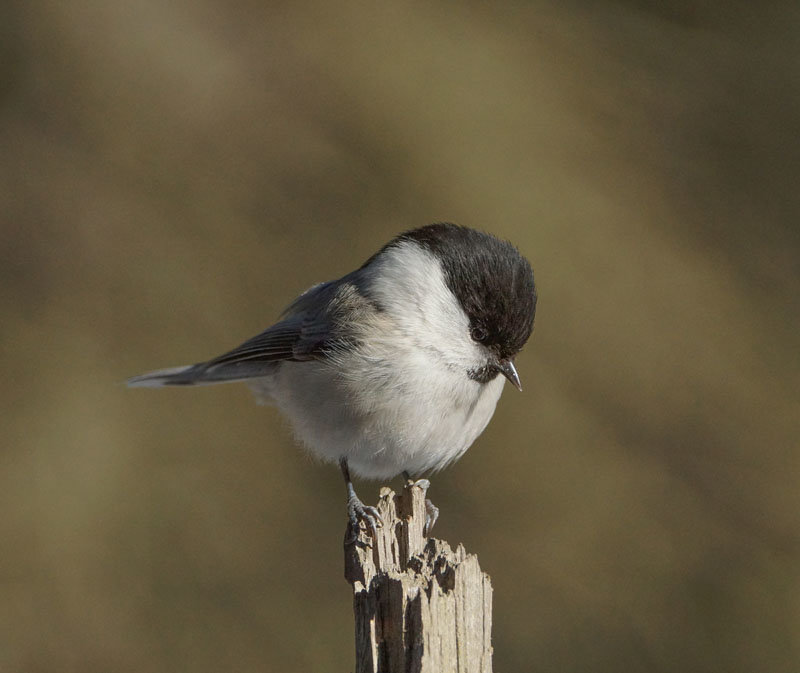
x: 419, y: 606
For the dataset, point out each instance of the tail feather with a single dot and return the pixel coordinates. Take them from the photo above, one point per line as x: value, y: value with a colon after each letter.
x: 202, y: 374
x: 173, y: 376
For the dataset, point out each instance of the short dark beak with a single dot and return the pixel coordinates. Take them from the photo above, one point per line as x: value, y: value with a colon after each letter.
x: 508, y: 370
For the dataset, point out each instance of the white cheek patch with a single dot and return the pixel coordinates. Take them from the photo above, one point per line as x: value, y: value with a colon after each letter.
x: 408, y: 283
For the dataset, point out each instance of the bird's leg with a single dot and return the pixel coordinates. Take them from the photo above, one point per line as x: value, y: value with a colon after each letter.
x: 431, y: 510
x: 357, y: 510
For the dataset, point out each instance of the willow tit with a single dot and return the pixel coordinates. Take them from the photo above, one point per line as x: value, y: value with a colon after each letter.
x: 393, y: 368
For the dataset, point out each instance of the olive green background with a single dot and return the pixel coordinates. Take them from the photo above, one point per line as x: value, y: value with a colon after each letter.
x: 173, y: 173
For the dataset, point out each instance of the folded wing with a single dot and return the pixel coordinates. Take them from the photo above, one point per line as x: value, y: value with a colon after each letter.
x: 305, y: 333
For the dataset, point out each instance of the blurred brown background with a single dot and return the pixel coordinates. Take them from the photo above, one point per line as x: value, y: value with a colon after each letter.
x: 172, y: 174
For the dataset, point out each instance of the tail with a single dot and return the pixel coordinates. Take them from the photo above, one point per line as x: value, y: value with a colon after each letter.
x: 200, y: 374
x: 173, y: 376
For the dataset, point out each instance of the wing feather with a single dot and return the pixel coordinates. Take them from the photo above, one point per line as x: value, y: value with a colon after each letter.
x: 306, y: 332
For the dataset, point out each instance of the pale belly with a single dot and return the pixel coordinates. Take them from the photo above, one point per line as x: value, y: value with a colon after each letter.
x: 381, y: 424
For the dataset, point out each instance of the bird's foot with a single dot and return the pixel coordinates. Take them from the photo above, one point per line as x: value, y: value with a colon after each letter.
x: 431, y: 514
x: 431, y: 510
x: 357, y: 511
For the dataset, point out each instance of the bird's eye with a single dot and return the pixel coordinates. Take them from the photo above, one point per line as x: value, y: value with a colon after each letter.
x: 479, y: 333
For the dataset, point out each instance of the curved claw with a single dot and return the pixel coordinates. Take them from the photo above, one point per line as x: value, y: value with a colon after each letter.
x: 431, y: 514
x: 431, y: 510
x: 358, y: 511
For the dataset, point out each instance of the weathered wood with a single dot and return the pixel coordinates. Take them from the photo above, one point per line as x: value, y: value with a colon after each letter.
x: 420, y: 607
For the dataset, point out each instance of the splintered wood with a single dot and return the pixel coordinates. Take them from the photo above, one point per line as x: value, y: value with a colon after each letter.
x: 420, y: 607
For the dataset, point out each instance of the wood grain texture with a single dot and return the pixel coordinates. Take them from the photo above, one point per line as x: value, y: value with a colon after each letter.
x: 420, y: 606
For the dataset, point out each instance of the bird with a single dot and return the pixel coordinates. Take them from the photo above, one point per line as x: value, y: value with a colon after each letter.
x: 396, y: 367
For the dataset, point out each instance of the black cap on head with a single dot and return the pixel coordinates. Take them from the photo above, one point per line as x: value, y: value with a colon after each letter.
x: 490, y: 278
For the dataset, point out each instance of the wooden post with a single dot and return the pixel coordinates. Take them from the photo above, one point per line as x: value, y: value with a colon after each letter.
x: 420, y: 607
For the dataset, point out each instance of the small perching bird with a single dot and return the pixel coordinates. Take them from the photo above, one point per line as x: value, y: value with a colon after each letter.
x: 395, y: 367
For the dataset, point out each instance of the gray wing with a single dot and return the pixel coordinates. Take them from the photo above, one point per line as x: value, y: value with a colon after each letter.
x: 305, y: 333
x: 301, y: 335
